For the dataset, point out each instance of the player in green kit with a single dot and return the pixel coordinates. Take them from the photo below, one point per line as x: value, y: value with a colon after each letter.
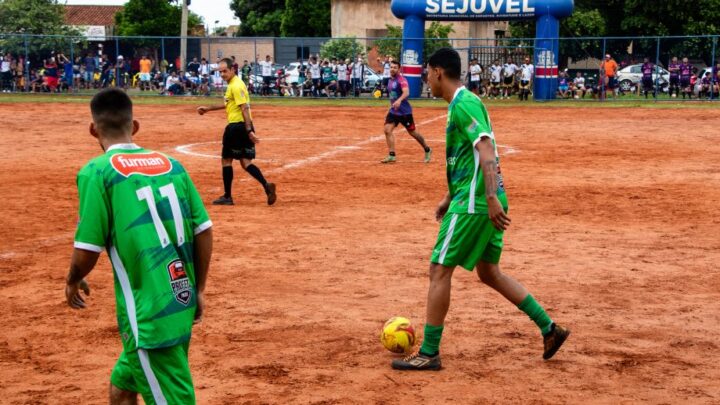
x: 473, y: 214
x: 142, y: 207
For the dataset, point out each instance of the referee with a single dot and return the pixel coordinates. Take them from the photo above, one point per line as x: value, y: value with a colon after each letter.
x: 239, y: 138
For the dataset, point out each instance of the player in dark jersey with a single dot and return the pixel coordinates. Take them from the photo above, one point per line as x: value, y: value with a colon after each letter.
x: 685, y: 74
x: 674, y: 69
x: 400, y: 113
x: 647, y: 69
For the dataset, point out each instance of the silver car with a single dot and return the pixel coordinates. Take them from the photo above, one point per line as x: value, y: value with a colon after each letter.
x: 631, y: 76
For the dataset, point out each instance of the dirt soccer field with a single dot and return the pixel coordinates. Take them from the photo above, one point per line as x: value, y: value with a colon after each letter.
x: 615, y: 230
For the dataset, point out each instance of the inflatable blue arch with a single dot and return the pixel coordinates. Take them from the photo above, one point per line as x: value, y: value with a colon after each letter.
x: 547, y: 13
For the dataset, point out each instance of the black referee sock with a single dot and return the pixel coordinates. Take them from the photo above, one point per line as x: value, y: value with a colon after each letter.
x: 257, y: 174
x: 227, y: 180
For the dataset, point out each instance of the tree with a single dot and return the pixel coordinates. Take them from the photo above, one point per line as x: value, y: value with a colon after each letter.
x: 259, y: 17
x: 306, y: 19
x: 436, y: 37
x: 40, y: 17
x: 152, y: 18
x: 344, y: 48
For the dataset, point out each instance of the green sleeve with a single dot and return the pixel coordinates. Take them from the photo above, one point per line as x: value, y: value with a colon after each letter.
x: 200, y: 218
x: 93, y: 224
x: 472, y: 121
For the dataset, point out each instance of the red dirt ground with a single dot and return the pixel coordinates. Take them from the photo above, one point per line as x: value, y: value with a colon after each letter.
x: 615, y: 230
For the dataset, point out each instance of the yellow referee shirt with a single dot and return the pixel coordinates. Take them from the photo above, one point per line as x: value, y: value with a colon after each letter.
x: 235, y: 96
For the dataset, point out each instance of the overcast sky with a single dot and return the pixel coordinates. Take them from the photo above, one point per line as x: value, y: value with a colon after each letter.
x: 210, y: 10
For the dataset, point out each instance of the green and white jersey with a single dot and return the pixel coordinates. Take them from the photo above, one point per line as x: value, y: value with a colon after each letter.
x: 143, y: 208
x: 467, y: 123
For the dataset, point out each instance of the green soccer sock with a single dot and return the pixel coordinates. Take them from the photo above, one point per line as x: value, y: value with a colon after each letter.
x: 536, y: 312
x: 431, y: 340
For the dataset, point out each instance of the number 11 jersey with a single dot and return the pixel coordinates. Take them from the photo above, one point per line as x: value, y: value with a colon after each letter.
x: 142, y: 207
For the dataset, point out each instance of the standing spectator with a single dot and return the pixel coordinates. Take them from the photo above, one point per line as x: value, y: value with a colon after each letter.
x: 495, y: 79
x: 67, y: 70
x: 386, y: 74
x: 314, y: 67
x: 20, y: 73
x: 106, y: 78
x: 647, y: 69
x: 609, y: 69
x: 266, y: 69
x: 579, y: 83
x: 193, y: 66
x: 527, y: 73
x: 217, y: 81
x: 475, y: 72
x: 686, y: 70
x: 674, y: 69
x: 164, y: 67
x: 51, y: 74
x: 145, y: 68
x: 509, y: 71
x: 6, y: 73
x: 121, y: 72
x: 90, y: 67
x: 204, y: 69
x: 343, y: 75
x: 245, y: 72
x: 235, y: 65
x: 358, y: 75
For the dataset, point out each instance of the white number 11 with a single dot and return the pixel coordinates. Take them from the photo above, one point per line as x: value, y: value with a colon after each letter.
x: 167, y: 191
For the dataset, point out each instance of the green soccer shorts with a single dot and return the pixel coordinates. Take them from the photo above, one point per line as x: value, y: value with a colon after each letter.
x: 161, y: 376
x: 466, y: 239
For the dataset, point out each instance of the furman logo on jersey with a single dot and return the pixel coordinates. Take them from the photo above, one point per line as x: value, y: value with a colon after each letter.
x: 147, y: 164
x: 179, y: 282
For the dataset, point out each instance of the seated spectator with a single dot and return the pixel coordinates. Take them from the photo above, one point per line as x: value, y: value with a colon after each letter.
x: 579, y: 86
x: 173, y: 85
x: 563, y: 85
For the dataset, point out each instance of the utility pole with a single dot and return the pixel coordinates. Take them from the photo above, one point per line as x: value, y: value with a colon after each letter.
x: 183, y: 35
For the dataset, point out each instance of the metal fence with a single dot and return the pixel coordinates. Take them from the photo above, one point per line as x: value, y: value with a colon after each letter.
x: 83, y: 64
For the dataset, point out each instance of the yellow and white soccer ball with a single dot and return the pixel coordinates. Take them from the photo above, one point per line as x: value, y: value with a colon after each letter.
x: 377, y: 94
x: 398, y: 335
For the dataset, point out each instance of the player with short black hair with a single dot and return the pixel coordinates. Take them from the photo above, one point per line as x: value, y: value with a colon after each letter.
x: 239, y: 138
x: 400, y: 113
x: 473, y: 214
x: 142, y: 207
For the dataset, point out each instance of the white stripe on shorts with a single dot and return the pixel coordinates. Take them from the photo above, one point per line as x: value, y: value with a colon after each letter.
x: 448, y: 237
x: 152, y: 380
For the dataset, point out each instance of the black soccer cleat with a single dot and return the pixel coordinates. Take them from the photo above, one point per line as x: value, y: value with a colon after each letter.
x: 271, y: 195
x: 554, y: 339
x: 224, y: 201
x: 418, y: 362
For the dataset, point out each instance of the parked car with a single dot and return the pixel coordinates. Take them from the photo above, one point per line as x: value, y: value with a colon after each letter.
x: 293, y: 73
x: 631, y: 76
x: 371, y: 80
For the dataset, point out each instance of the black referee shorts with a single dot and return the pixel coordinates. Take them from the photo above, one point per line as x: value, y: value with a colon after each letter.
x: 237, y: 143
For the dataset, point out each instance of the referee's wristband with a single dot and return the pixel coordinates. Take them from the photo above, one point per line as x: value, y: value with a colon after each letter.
x: 248, y: 129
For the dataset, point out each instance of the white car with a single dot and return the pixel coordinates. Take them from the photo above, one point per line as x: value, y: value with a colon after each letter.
x: 631, y: 76
x: 292, y: 73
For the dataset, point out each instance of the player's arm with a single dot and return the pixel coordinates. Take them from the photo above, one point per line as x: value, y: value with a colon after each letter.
x: 202, y: 110
x: 489, y: 166
x: 203, y: 252
x: 245, y: 108
x: 81, y: 264
x: 443, y: 206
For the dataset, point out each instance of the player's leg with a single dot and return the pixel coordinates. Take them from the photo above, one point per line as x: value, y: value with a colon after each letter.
x: 123, y: 389
x: 409, y: 123
x: 122, y: 397
x: 256, y: 173
x: 229, y: 146
x: 488, y: 271
x: 391, y: 123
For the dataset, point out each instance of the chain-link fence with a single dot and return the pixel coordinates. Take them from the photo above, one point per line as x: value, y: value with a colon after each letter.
x: 637, y: 68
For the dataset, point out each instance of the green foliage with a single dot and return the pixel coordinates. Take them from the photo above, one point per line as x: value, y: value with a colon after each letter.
x: 306, y: 19
x: 436, y: 37
x: 152, y: 18
x: 259, y: 17
x: 345, y: 48
x: 44, y: 17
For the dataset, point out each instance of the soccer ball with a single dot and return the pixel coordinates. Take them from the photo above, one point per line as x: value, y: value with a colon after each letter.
x: 398, y: 335
x: 377, y: 94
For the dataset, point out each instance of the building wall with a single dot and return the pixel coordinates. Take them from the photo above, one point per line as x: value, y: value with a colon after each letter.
x: 241, y: 48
